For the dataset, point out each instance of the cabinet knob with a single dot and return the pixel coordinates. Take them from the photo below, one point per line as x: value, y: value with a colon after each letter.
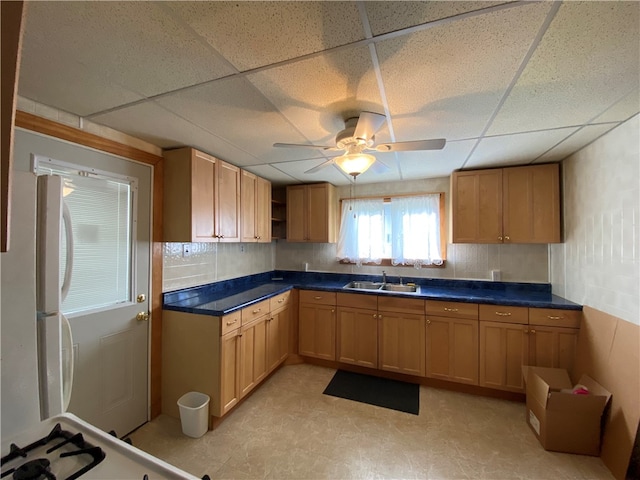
x: 221, y: 236
x: 333, y: 310
x: 281, y: 300
x: 500, y: 238
x: 506, y: 237
x: 428, y: 322
x: 375, y: 315
x: 256, y: 311
x: 317, y: 298
x: 532, y: 331
x: 231, y: 323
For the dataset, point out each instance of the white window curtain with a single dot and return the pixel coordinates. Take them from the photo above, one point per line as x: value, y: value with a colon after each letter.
x: 415, y: 227
x: 362, y: 231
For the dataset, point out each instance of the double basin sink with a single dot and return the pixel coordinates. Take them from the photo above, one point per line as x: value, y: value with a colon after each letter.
x: 383, y: 287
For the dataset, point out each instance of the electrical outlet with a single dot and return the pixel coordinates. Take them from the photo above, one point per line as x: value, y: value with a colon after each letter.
x: 241, y: 248
x: 186, y: 249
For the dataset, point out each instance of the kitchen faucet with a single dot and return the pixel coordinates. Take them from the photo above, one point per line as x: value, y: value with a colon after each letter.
x: 384, y: 277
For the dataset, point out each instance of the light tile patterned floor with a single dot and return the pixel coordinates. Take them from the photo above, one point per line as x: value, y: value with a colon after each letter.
x: 289, y: 430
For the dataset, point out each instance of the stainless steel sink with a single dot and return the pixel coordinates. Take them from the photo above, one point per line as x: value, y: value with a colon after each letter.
x: 363, y: 285
x: 396, y: 287
x: 382, y: 287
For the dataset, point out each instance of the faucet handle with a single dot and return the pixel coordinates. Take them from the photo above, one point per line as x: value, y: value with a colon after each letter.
x: 400, y: 280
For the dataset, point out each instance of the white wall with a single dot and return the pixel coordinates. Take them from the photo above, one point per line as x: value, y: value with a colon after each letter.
x: 518, y: 263
x: 599, y: 263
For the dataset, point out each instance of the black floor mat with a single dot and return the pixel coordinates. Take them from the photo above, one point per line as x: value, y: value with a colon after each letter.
x: 401, y: 396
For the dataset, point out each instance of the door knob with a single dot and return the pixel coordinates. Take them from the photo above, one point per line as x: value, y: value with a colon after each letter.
x: 142, y: 316
x: 141, y: 298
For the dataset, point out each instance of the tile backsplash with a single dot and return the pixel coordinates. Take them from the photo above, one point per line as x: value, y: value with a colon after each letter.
x: 203, y: 263
x: 599, y: 263
x: 517, y: 263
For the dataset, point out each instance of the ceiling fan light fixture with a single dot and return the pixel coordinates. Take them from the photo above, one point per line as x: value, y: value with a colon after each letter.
x: 355, y: 163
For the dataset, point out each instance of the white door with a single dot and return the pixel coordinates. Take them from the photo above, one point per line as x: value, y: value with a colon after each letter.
x: 110, y: 212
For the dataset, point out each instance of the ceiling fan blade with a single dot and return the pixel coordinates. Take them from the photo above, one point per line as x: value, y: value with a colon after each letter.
x: 320, y: 167
x: 434, y: 144
x: 303, y: 145
x: 368, y: 124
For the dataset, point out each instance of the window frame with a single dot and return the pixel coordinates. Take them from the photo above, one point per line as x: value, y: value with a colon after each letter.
x: 386, y: 262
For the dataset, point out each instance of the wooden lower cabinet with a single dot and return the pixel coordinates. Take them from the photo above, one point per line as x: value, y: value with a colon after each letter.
x: 358, y: 336
x: 452, y: 349
x: 402, y: 342
x: 504, y: 349
x: 229, y: 371
x: 277, y: 337
x: 553, y: 347
x: 317, y: 331
x: 253, y: 354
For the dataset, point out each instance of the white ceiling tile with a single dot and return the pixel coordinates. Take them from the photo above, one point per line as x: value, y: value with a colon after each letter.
x: 575, y: 142
x: 319, y: 93
x: 154, y: 124
x: 59, y: 81
x: 134, y: 44
x: 391, y: 16
x: 588, y: 58
x: 275, y: 176
x: 234, y: 110
x: 622, y: 110
x: 436, y: 163
x: 517, y: 149
x: 253, y: 34
x: 446, y: 81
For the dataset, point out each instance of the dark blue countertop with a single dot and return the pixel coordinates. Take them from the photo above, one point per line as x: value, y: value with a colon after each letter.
x: 227, y: 296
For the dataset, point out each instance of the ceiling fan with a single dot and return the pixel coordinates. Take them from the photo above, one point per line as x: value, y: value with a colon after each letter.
x: 357, y: 137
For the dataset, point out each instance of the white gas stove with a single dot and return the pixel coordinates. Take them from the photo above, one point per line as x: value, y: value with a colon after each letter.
x: 66, y: 447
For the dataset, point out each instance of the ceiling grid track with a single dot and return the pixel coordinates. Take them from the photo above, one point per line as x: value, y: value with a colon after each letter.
x: 534, y: 45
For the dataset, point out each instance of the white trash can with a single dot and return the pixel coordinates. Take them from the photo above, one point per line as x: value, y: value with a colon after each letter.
x: 194, y: 413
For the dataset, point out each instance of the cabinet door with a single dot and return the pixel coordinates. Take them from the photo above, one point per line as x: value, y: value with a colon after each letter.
x: 504, y: 348
x: 296, y: 214
x: 203, y: 202
x: 248, y: 190
x: 531, y: 204
x: 477, y: 206
x: 553, y: 347
x: 277, y: 337
x: 229, y: 371
x: 452, y: 349
x: 402, y: 343
x: 317, y: 213
x: 253, y: 354
x: 358, y: 336
x: 263, y: 210
x: 227, y: 202
x: 317, y: 331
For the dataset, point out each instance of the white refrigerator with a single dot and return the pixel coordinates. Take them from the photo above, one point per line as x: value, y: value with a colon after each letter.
x: 53, y: 278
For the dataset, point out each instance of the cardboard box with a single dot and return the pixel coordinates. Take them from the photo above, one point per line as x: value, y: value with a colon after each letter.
x: 564, y: 422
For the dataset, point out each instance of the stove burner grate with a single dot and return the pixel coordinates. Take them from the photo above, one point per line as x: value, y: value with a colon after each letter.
x: 40, y: 468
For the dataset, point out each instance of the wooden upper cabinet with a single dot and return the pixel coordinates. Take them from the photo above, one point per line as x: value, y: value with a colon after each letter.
x: 508, y: 205
x: 255, y: 208
x: 312, y: 213
x: 531, y: 204
x: 477, y: 206
x: 201, y: 198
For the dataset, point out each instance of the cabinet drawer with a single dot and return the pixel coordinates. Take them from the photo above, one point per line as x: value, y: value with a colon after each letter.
x: 452, y: 309
x: 256, y: 310
x: 402, y: 305
x: 279, y: 301
x: 552, y: 317
x: 230, y: 322
x: 356, y: 300
x: 317, y: 297
x: 505, y: 314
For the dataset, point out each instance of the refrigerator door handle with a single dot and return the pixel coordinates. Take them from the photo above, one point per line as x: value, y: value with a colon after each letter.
x: 67, y: 361
x: 68, y: 271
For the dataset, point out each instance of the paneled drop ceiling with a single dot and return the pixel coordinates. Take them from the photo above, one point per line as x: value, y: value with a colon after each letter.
x: 505, y: 83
